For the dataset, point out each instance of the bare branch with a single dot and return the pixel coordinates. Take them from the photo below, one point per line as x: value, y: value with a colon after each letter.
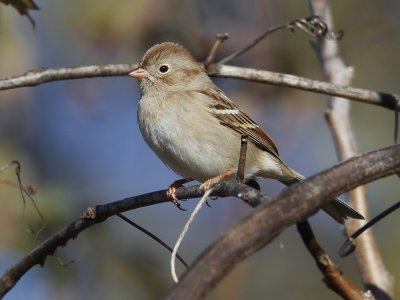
x: 373, y: 271
x: 390, y: 101
x: 219, y: 39
x: 333, y: 276
x: 101, y: 212
x: 36, y: 77
x: 360, y: 169
x: 312, y: 26
x: 292, y: 205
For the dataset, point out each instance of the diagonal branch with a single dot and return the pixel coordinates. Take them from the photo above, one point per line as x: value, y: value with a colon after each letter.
x: 373, y: 271
x: 101, y: 212
x: 39, y: 76
x: 333, y: 276
x: 292, y: 205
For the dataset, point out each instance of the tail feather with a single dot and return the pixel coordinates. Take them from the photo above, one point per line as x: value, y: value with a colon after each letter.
x: 336, y: 208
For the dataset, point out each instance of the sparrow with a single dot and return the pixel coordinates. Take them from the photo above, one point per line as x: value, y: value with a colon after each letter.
x: 195, y: 129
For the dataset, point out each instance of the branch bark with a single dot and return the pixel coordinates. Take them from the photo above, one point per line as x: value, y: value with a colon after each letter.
x: 39, y: 76
x: 360, y: 169
x: 373, y: 271
x: 333, y: 276
x: 292, y: 205
x: 102, y: 212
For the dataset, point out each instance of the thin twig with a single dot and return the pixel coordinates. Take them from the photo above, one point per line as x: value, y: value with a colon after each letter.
x: 350, y: 244
x: 28, y: 189
x: 334, y: 278
x: 253, y: 43
x: 154, y: 237
x: 313, y: 26
x: 219, y: 39
x: 25, y: 191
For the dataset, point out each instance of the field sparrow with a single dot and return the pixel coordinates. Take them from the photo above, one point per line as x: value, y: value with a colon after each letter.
x: 195, y: 129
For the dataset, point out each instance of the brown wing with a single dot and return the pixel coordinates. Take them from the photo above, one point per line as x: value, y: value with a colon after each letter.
x: 230, y: 115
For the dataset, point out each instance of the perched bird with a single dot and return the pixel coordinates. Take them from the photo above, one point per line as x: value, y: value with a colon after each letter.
x: 195, y: 129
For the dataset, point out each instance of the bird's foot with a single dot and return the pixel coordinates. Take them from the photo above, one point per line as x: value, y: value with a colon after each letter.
x: 171, y: 192
x: 209, y: 182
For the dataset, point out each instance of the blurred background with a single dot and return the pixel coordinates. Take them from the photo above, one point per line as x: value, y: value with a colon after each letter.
x: 79, y: 144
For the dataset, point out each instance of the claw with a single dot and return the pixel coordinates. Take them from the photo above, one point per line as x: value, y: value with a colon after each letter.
x: 171, y: 192
x: 177, y: 204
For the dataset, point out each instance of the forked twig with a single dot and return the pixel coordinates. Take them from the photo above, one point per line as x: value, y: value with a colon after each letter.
x: 219, y: 39
x: 28, y: 191
x: 312, y: 26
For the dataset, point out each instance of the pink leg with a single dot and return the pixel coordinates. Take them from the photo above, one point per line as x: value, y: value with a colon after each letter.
x: 209, y: 182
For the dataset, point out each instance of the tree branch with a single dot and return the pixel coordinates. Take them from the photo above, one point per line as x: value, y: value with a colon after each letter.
x: 39, y: 76
x: 292, y: 205
x: 373, y: 271
x: 390, y: 101
x: 374, y: 165
x: 101, y: 212
x: 333, y: 276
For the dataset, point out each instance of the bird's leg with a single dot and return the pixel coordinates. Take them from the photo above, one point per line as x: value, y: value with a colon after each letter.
x: 242, y: 158
x: 171, y: 192
x: 209, y: 182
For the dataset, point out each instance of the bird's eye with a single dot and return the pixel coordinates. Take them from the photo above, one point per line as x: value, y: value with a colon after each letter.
x: 164, y: 69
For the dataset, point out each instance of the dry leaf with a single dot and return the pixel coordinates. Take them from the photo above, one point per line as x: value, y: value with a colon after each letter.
x: 23, y: 7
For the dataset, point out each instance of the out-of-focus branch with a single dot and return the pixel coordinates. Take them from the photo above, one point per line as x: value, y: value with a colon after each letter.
x: 375, y: 276
x: 293, y: 205
x: 334, y: 277
x: 39, y: 76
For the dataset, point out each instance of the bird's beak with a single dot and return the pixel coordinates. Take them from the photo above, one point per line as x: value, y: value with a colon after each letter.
x: 139, y: 73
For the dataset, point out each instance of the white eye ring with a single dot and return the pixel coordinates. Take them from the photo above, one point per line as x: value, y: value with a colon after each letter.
x: 163, y: 68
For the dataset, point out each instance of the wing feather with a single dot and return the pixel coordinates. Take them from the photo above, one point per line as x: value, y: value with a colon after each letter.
x: 230, y: 115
